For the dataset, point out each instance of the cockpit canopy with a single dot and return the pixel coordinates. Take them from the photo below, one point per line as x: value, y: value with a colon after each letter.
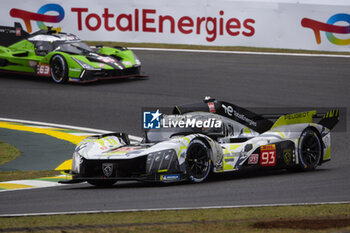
x: 67, y: 43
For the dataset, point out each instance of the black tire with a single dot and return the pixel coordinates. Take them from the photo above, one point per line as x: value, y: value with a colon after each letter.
x: 59, y: 69
x: 102, y: 183
x: 310, y: 149
x: 198, y: 164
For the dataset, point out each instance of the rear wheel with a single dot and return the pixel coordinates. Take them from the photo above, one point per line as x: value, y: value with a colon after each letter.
x: 59, y: 69
x: 310, y: 149
x: 102, y: 183
x: 197, y: 162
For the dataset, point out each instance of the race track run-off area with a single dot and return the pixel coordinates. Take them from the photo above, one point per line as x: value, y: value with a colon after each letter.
x: 176, y: 77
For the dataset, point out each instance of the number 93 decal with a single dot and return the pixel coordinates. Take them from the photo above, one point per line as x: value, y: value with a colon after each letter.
x: 268, y: 155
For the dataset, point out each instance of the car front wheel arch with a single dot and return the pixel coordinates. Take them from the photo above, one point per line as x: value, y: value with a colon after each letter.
x: 59, y: 69
x: 310, y: 149
x: 198, y: 162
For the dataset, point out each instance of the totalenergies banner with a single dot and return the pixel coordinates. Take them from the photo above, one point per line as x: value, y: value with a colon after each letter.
x: 272, y: 24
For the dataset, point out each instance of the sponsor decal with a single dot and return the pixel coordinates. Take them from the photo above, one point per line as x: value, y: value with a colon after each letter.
x: 75, y: 69
x: 106, y: 143
x: 268, y: 155
x: 253, y: 159
x: 211, y: 106
x: 40, y: 16
x: 150, y: 21
x: 107, y: 169
x: 151, y: 120
x: 330, y: 28
x: 230, y: 159
x: 169, y: 177
x: 32, y: 63
x: 44, y: 70
x: 127, y: 63
x: 287, y: 156
x: 106, y: 59
x: 18, y: 32
x: 244, y: 118
x: 296, y: 115
x: 126, y: 149
x: 230, y: 111
x: 191, y: 123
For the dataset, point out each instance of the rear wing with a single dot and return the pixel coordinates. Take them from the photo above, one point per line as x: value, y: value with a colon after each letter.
x: 328, y: 119
x: 259, y: 122
x: 250, y: 119
x: 11, y: 35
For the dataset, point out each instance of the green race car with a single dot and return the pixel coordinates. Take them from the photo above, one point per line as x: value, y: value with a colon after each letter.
x: 63, y: 57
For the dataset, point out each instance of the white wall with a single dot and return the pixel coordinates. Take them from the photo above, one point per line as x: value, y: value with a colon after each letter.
x: 259, y: 23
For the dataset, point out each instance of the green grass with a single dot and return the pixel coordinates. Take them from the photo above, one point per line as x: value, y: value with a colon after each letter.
x: 9, y: 153
x: 219, y: 48
x: 188, y: 221
x: 23, y: 175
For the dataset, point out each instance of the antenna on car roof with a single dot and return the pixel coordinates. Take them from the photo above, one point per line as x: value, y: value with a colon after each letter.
x: 208, y: 99
x: 50, y: 29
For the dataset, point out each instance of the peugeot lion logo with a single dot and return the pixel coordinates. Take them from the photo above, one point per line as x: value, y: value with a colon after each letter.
x: 107, y: 169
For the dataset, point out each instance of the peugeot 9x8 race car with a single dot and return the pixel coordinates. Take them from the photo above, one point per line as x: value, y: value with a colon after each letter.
x: 63, y: 57
x: 234, y: 138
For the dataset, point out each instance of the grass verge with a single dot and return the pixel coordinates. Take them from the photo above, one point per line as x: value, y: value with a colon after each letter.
x: 219, y: 48
x: 9, y: 153
x: 24, y: 175
x: 312, y: 218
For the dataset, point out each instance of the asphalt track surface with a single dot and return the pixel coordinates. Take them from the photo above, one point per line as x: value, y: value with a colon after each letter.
x: 175, y: 78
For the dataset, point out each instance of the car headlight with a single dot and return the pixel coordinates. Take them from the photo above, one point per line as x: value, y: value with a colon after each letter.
x: 137, y: 60
x: 161, y: 161
x: 84, y: 65
x: 76, y: 162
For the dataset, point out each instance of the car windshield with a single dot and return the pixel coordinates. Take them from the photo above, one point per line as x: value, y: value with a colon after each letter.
x: 180, y: 125
x: 73, y: 47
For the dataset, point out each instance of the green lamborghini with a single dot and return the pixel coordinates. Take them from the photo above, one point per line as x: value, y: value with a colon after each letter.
x: 63, y: 57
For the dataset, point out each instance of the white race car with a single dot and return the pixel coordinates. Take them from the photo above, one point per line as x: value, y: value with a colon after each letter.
x: 233, y: 139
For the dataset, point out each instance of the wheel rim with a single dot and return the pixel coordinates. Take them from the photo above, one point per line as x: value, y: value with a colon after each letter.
x: 57, y: 70
x: 197, y: 161
x: 310, y: 150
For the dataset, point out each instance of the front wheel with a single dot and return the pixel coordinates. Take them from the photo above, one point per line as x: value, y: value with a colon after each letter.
x: 59, y: 69
x: 197, y: 162
x: 310, y: 149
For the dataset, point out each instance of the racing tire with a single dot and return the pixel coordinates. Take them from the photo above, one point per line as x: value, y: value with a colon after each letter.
x: 59, y: 69
x: 198, y: 164
x: 310, y: 150
x: 102, y: 183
